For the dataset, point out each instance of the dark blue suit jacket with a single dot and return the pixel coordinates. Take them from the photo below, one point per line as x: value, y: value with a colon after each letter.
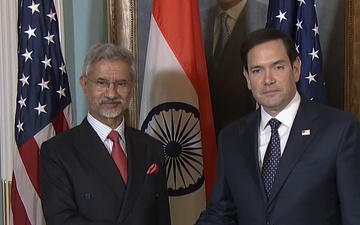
x: 318, y: 178
x: 80, y: 183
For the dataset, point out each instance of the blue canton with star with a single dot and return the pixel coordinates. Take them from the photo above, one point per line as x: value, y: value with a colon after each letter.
x: 298, y: 19
x: 43, y: 87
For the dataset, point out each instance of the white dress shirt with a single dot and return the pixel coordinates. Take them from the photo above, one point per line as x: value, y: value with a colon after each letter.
x: 286, y: 117
x: 103, y: 131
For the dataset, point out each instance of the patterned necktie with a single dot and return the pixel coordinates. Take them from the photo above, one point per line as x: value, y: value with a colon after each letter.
x: 223, y: 37
x: 272, y: 156
x: 118, y: 155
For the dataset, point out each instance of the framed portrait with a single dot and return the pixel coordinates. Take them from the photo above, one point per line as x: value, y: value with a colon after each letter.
x: 339, y: 26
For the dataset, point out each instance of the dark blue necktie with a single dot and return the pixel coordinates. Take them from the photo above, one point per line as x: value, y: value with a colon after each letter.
x: 272, y: 156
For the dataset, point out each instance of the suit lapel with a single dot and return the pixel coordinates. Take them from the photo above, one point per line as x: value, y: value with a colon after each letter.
x: 238, y: 34
x: 235, y: 39
x: 245, y: 23
x: 251, y: 153
x: 209, y: 34
x: 94, y: 151
x: 137, y: 158
x: 296, y: 144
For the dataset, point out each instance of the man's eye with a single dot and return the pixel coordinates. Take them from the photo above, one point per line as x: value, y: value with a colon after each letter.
x: 102, y: 83
x: 256, y: 71
x: 121, y: 83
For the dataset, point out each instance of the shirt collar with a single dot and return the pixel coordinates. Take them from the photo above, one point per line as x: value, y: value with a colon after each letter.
x: 286, y: 116
x: 235, y: 11
x: 103, y: 130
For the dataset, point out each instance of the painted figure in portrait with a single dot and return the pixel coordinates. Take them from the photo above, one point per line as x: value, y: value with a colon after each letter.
x: 230, y: 97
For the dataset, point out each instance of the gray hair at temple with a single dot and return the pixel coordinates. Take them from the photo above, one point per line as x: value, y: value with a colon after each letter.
x: 108, y: 51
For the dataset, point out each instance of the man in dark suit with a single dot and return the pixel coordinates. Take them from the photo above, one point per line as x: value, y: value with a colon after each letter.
x: 303, y: 171
x: 90, y: 177
x: 230, y: 97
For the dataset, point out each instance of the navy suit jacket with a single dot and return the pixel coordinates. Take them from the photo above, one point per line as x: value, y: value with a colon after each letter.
x: 230, y: 96
x: 318, y: 178
x: 80, y: 183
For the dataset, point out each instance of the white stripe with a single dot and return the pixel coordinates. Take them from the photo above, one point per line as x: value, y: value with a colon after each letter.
x: 68, y: 115
x: 46, y: 133
x: 166, y: 81
x: 185, y: 210
x: 164, y: 78
x: 27, y: 193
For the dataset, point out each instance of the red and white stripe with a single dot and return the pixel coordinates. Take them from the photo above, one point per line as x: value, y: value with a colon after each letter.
x: 26, y: 202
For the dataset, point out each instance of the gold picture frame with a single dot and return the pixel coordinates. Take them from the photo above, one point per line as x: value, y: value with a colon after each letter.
x: 122, y: 30
x: 352, y: 58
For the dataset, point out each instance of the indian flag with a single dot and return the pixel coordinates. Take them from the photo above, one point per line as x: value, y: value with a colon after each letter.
x: 176, y: 106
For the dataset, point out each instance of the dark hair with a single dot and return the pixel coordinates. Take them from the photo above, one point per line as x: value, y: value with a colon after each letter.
x: 264, y: 35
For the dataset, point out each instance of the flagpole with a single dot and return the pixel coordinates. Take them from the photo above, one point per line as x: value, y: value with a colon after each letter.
x: 6, y: 202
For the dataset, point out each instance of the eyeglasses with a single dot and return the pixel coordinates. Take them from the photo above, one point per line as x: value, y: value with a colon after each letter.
x: 102, y: 85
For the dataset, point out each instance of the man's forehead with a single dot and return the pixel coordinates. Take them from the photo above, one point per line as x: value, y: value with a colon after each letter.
x: 111, y: 65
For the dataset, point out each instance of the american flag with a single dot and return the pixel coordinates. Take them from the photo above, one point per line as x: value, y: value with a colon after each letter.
x: 298, y: 19
x: 43, y: 103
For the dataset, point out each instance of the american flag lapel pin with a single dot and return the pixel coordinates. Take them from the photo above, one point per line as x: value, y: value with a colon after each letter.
x: 305, y: 132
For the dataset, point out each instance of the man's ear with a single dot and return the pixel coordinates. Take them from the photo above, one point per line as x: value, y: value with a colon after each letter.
x: 297, y: 69
x: 246, y: 75
x: 83, y: 83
